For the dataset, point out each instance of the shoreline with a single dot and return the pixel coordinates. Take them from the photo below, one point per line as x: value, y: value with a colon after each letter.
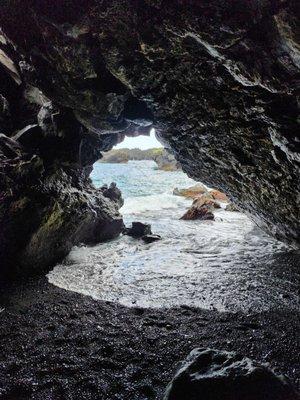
x: 57, y: 344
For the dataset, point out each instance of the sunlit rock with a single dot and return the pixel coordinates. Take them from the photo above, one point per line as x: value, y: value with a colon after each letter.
x: 192, y: 191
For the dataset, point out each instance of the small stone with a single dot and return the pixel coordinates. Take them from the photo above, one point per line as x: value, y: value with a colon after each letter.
x: 138, y: 230
x: 151, y: 238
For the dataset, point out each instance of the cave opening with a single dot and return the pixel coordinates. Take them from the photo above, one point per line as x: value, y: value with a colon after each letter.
x: 183, y: 243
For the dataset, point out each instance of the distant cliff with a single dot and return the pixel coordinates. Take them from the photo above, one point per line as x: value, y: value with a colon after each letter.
x: 161, y: 156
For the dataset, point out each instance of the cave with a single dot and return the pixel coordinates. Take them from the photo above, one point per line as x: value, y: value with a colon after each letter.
x: 219, y: 83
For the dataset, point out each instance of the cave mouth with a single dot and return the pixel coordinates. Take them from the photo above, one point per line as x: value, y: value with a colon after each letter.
x: 226, y: 264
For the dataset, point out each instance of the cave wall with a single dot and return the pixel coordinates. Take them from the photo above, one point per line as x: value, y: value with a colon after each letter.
x: 219, y: 80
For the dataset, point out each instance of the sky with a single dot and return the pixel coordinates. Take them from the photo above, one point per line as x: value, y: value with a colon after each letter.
x: 141, y: 142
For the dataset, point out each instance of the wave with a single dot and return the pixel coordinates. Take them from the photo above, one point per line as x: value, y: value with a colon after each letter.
x: 154, y: 202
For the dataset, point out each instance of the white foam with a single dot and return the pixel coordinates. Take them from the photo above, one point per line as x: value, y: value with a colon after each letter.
x: 157, y: 202
x: 220, y: 264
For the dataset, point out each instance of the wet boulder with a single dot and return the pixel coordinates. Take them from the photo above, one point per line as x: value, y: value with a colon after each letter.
x: 209, y: 374
x: 220, y: 196
x: 138, y: 230
x: 202, y: 208
x: 191, y: 192
x: 206, y: 200
x: 201, y: 213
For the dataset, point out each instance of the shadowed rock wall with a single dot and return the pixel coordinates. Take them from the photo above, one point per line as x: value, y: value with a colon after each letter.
x: 218, y: 79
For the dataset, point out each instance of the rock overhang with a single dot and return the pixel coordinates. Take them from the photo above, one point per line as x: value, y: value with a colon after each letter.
x: 218, y: 80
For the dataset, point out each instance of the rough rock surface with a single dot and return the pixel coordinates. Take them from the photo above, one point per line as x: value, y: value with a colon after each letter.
x: 166, y: 161
x: 202, y: 213
x: 217, y: 195
x: 45, y: 210
x: 221, y: 375
x: 217, y: 79
x: 113, y: 193
x: 191, y: 192
x: 202, y: 208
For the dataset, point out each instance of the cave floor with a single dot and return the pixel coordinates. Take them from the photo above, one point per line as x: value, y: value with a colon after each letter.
x: 57, y: 344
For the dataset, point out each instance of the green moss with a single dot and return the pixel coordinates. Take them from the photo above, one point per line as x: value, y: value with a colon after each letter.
x: 55, y: 218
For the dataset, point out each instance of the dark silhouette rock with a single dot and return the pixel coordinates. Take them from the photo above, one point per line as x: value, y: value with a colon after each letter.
x: 221, y: 375
x: 151, y: 238
x: 45, y: 211
x: 138, y: 230
x: 202, y: 213
x: 113, y: 193
x: 202, y: 208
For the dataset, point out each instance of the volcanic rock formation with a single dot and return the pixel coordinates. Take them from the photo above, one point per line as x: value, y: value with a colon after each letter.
x: 217, y: 79
x: 221, y: 375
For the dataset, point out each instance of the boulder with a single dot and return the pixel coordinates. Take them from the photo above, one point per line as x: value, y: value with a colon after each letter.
x: 217, y: 195
x: 209, y: 374
x: 205, y: 200
x: 202, y: 213
x: 191, y: 192
x: 151, y: 238
x: 202, y: 208
x: 138, y: 230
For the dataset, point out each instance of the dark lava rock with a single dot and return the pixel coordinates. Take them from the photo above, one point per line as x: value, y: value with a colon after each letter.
x: 44, y: 211
x: 138, y: 229
x: 221, y: 375
x: 151, y: 238
x: 201, y: 211
x: 113, y: 193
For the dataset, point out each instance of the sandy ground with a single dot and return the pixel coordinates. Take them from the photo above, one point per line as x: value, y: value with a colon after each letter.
x: 56, y: 344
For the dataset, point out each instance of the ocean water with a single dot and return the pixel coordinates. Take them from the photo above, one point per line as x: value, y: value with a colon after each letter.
x: 226, y: 264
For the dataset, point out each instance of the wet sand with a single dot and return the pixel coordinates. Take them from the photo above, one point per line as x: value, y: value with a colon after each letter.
x: 56, y: 344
